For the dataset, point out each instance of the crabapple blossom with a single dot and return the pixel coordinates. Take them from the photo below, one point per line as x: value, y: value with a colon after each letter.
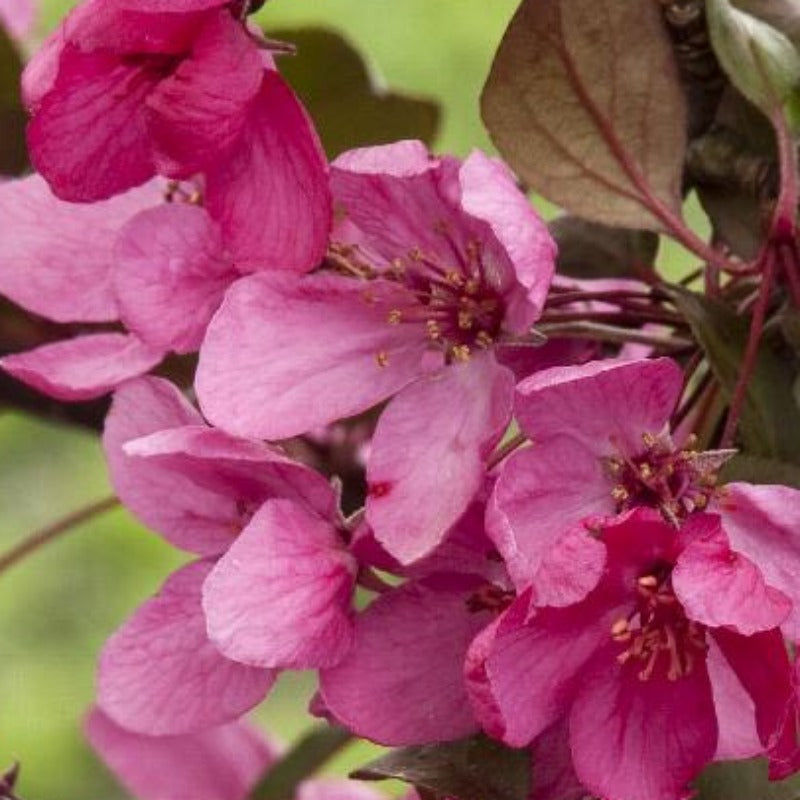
x: 630, y: 665
x: 435, y: 263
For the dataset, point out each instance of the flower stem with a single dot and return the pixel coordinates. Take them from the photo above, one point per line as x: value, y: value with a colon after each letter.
x: 505, y: 450
x: 51, y: 532
x: 610, y: 333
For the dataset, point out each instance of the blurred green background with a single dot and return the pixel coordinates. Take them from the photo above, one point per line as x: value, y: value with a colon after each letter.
x: 57, y: 608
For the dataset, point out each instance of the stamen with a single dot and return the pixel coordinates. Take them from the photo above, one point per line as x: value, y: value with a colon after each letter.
x: 395, y: 316
x: 382, y: 357
x: 461, y: 353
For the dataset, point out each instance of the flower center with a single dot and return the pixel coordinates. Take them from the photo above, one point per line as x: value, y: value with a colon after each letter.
x: 675, y: 481
x: 658, y: 638
x: 490, y: 597
x: 454, y: 301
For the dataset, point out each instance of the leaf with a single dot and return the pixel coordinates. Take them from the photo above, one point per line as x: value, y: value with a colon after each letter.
x: 760, y: 470
x: 583, y: 100
x: 769, y: 424
x: 301, y: 762
x: 760, y: 61
x: 348, y: 104
x: 744, y: 780
x: 590, y: 250
x: 470, y: 769
x: 13, y: 153
x: 781, y: 14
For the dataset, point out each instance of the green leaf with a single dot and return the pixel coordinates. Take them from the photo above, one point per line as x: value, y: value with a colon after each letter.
x: 744, y: 780
x: 759, y: 60
x: 470, y: 769
x: 348, y: 104
x: 590, y: 250
x: 301, y: 762
x: 584, y: 102
x: 769, y: 425
x: 760, y: 470
x: 13, y: 153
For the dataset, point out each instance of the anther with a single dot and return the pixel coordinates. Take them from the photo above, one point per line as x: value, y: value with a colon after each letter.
x: 620, y: 493
x: 648, y: 439
x: 461, y: 352
x: 484, y: 340
x: 395, y: 316
x: 433, y: 328
x: 382, y: 357
x: 620, y: 631
x: 465, y: 320
x: 648, y: 581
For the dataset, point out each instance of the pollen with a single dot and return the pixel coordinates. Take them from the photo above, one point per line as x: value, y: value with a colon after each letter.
x: 434, y: 329
x: 465, y: 320
x: 461, y: 353
x: 620, y: 493
x: 395, y: 316
x: 382, y: 357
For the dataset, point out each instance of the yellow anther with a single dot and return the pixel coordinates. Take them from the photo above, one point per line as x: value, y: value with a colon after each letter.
x: 433, y: 328
x: 648, y: 581
x: 395, y: 316
x: 465, y: 320
x: 484, y: 340
x: 700, y: 501
x: 382, y: 357
x: 646, y: 471
x: 455, y: 278
x: 461, y: 352
x: 615, y: 465
x: 472, y: 286
x: 620, y: 493
x: 648, y: 439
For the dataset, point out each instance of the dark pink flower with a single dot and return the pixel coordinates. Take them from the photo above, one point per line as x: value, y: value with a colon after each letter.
x: 121, y: 92
x: 434, y: 263
x: 631, y: 666
x: 602, y: 445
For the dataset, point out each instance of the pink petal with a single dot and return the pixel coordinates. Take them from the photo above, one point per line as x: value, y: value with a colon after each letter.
x: 284, y: 355
x: 532, y: 670
x: 429, y: 451
x: 83, y: 367
x: 640, y: 740
x: 543, y: 492
x: 720, y: 587
x: 62, y: 269
x: 88, y: 137
x: 188, y: 515
x: 280, y: 597
x: 247, y: 471
x: 738, y: 737
x: 17, y: 16
x: 159, y: 673
x: 606, y: 405
x: 553, y: 775
x: 171, y: 275
x: 763, y: 669
x: 386, y: 689
x: 271, y: 195
x: 198, y: 113
x: 490, y: 194
x: 763, y: 523
x: 218, y: 764
x: 404, y: 159
x: 168, y: 6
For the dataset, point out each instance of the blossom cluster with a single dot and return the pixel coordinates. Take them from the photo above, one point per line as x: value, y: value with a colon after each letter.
x: 543, y: 554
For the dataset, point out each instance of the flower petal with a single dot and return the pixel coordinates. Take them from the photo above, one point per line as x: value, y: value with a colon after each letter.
x: 171, y: 275
x: 429, y: 451
x: 284, y: 355
x: 57, y: 257
x: 83, y: 367
x: 159, y: 673
x: 281, y: 596
x: 271, y: 195
x: 386, y: 689
x: 217, y: 764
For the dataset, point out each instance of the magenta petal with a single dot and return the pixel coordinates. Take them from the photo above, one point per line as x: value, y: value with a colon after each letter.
x: 221, y: 763
x: 543, y: 492
x: 171, y: 275
x: 83, y: 367
x: 490, y: 194
x: 738, y: 737
x: 720, y: 587
x: 198, y: 113
x: 763, y: 668
x: 188, y: 515
x: 280, y: 596
x: 553, y: 775
x: 159, y: 674
x: 168, y: 6
x: 284, y: 355
x: 56, y: 257
x: 640, y: 740
x: 605, y: 405
x: 271, y: 194
x: 87, y: 137
x: 763, y: 522
x: 429, y: 450
x: 387, y: 688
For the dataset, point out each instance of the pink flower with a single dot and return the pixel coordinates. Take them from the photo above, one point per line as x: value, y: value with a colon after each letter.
x: 219, y: 764
x: 635, y: 665
x: 434, y: 263
x: 124, y: 91
x: 602, y: 445
x: 274, y: 591
x: 57, y: 261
